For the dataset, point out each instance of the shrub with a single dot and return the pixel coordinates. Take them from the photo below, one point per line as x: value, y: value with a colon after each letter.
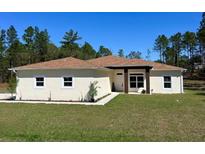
x: 12, y: 86
x: 93, y: 91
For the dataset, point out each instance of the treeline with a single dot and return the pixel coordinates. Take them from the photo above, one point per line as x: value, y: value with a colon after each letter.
x: 184, y: 50
x: 35, y: 46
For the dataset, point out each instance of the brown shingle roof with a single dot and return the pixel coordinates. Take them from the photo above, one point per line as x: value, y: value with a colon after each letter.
x: 102, y: 62
x: 119, y: 61
x: 156, y: 65
x: 64, y: 63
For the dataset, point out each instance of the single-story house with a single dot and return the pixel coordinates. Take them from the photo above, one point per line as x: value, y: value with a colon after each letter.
x: 68, y: 79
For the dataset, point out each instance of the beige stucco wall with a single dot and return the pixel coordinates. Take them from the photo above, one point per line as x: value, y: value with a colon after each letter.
x: 26, y: 89
x: 53, y: 89
x: 157, y: 82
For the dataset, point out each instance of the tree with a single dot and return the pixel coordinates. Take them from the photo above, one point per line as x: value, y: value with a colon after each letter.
x: 121, y: 53
x: 3, y: 61
x: 201, y: 38
x: 184, y: 62
x: 17, y: 54
x: 11, y: 35
x: 103, y: 51
x: 29, y: 38
x: 2, y: 42
x: 161, y: 43
x: 134, y: 54
x: 177, y: 46
x: 190, y: 43
x: 87, y: 51
x: 15, y: 49
x: 147, y: 57
x: 12, y: 43
x: 41, y: 42
x: 53, y: 52
x: 170, y: 54
x: 69, y: 43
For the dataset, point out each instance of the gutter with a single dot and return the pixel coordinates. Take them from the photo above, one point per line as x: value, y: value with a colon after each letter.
x: 26, y: 69
x: 13, y: 70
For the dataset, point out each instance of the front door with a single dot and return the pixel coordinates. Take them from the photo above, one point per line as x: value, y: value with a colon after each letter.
x: 136, y: 81
x: 119, y: 80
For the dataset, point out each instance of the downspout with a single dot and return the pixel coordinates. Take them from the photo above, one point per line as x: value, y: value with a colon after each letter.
x: 180, y: 83
x: 14, y: 71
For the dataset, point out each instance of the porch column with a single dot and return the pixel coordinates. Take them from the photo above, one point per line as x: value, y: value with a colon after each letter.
x: 126, y: 80
x: 148, y: 80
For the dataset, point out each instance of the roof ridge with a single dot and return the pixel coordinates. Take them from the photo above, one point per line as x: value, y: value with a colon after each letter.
x: 101, y: 62
x: 61, y: 62
x: 114, y: 56
x: 59, y: 59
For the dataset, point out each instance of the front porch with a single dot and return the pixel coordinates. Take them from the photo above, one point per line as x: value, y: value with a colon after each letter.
x: 132, y: 79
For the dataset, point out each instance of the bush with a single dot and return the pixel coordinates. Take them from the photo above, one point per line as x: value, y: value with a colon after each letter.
x: 12, y: 86
x: 93, y: 91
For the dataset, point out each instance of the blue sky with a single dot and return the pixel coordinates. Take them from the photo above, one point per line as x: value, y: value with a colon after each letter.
x: 129, y: 31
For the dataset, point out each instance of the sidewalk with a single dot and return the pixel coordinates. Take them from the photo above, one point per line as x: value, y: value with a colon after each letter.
x: 100, y: 102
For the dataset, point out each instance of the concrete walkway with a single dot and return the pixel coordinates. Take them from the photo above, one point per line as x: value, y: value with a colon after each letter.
x: 5, y: 95
x: 103, y: 101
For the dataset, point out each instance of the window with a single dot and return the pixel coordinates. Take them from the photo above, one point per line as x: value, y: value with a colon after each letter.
x: 39, y: 81
x: 167, y: 81
x: 68, y: 82
x: 136, y: 81
x: 132, y: 81
x: 140, y: 81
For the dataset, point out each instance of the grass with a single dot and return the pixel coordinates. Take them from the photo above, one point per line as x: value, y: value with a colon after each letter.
x: 126, y: 118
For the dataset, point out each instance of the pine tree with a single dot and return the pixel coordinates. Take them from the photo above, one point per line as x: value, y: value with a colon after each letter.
x: 134, y: 54
x: 2, y: 42
x: 190, y: 43
x: 177, y: 46
x: 161, y: 43
x: 121, y: 53
x: 103, y: 51
x: 41, y: 42
x: 11, y: 35
x: 3, y: 61
x: 69, y: 44
x: 87, y: 51
x: 28, y: 38
x: 201, y: 37
x: 12, y: 43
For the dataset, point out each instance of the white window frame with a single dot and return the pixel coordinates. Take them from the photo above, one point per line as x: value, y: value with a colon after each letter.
x: 67, y: 87
x: 140, y: 81
x: 142, y: 74
x: 35, y: 82
x: 133, y: 81
x: 167, y: 81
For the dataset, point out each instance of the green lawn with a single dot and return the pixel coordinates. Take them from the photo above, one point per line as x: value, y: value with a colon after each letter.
x: 125, y: 118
